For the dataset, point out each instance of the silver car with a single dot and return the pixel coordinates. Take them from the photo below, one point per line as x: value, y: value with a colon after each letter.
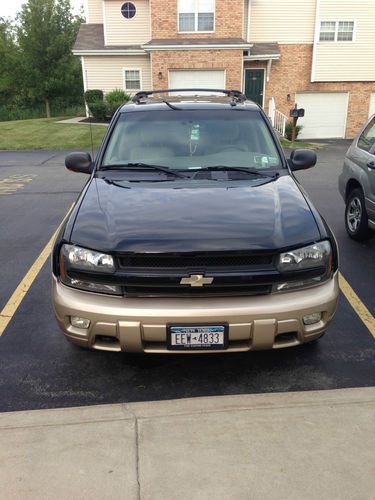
x: 357, y: 184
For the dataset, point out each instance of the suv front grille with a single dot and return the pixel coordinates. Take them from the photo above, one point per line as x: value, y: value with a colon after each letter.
x: 159, y: 275
x: 165, y: 261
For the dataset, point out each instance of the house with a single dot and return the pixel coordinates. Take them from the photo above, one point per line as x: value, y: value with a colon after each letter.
x: 316, y: 53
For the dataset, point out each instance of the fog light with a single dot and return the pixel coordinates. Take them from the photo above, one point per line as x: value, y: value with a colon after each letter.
x: 79, y: 322
x: 311, y: 319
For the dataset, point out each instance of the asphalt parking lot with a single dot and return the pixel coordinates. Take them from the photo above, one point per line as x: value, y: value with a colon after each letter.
x: 39, y: 369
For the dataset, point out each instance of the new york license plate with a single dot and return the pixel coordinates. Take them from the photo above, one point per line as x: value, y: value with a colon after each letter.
x: 197, y: 337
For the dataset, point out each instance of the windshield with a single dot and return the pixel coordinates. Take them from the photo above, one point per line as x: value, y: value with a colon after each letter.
x: 193, y: 139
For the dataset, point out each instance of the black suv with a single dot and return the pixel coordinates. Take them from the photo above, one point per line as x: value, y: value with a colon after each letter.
x: 192, y: 234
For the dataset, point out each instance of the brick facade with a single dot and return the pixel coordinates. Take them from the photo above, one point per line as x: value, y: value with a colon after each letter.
x: 292, y: 73
x: 164, y: 20
x: 229, y: 60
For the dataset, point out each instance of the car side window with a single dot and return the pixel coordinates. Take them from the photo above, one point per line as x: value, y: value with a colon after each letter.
x: 366, y: 140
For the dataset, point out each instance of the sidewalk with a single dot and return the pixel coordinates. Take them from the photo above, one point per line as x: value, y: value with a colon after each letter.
x: 77, y: 121
x: 306, y: 445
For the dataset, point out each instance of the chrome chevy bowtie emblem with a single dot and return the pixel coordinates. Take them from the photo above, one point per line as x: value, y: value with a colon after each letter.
x: 196, y: 280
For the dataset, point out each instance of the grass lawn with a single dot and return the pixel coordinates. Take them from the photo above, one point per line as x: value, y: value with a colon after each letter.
x: 299, y: 144
x: 43, y: 133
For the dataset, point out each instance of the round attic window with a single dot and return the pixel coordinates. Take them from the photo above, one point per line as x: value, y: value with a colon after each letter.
x: 128, y: 10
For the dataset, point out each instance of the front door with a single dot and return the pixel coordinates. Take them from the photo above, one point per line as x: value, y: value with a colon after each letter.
x: 254, y: 85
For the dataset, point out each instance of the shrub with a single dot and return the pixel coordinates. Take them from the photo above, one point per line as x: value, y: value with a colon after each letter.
x: 117, y: 96
x: 115, y: 99
x: 289, y: 130
x: 94, y: 95
x: 99, y: 110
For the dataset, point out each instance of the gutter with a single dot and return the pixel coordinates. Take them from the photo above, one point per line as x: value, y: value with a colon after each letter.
x: 244, y: 46
x: 108, y: 52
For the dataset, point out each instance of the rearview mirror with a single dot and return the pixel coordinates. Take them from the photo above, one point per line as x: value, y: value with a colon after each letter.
x: 301, y: 159
x: 79, y: 162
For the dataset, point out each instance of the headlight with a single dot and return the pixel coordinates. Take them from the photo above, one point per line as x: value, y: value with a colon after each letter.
x: 82, y: 259
x: 310, y: 257
x: 76, y: 259
x: 307, y: 258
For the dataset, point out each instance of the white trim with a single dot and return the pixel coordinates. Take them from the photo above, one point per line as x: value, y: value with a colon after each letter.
x: 316, y: 38
x: 151, y: 72
x: 264, y: 80
x: 85, y: 85
x: 371, y: 106
x: 195, y: 18
x: 150, y: 16
x: 268, y: 72
x: 124, y: 79
x: 248, y: 20
x: 110, y: 52
x: 242, y: 73
x: 104, y: 23
x: 226, y: 46
x: 86, y: 10
x: 263, y: 57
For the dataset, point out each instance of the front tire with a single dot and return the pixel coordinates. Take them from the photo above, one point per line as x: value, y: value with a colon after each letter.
x: 356, y: 219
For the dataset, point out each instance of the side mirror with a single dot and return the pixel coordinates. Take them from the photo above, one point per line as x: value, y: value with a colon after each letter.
x: 79, y: 162
x: 301, y: 159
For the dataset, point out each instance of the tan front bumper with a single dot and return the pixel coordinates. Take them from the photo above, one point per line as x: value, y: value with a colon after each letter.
x: 139, y: 325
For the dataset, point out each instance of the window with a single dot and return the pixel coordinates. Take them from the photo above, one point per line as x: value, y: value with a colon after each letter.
x: 336, y: 31
x: 128, y: 10
x: 327, y: 31
x: 367, y: 138
x: 345, y: 31
x: 196, y: 15
x: 132, y: 79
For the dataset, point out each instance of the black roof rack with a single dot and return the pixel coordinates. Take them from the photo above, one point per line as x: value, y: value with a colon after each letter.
x: 236, y: 95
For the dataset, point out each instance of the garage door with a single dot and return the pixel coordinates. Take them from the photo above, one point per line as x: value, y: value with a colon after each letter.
x: 210, y: 79
x: 372, y: 105
x: 325, y: 114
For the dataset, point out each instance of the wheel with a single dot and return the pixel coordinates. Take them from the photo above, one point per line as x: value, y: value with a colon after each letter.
x: 356, y: 220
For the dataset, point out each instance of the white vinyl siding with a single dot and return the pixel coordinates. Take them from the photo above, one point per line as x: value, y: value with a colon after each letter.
x: 211, y: 79
x: 122, y: 31
x: 107, y: 72
x: 291, y: 22
x: 95, y: 11
x: 325, y: 114
x: 345, y: 60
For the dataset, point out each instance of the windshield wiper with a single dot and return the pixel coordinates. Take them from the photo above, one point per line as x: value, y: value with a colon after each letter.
x: 133, y: 166
x: 238, y: 169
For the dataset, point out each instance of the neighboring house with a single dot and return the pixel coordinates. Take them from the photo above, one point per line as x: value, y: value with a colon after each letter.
x: 316, y: 53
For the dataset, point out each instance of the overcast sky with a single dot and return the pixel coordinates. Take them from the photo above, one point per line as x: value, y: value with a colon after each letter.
x: 9, y: 8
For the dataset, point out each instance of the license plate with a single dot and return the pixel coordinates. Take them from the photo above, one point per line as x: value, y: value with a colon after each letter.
x: 197, y: 337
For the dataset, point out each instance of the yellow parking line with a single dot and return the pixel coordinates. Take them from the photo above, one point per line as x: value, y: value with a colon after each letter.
x: 15, y: 300
x: 358, y: 306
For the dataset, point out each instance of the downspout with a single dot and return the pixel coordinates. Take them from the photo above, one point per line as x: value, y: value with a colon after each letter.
x: 316, y: 38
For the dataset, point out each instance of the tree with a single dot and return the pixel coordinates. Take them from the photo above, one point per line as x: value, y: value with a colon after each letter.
x: 8, y: 60
x: 46, y: 33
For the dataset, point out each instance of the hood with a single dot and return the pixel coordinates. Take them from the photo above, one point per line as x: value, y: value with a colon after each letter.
x: 182, y: 216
